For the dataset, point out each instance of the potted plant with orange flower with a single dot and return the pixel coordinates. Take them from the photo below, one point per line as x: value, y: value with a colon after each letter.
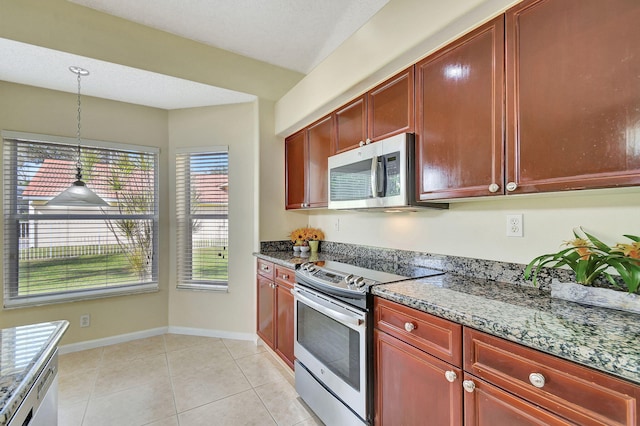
x: 298, y: 238
x: 314, y: 236
x: 590, y: 258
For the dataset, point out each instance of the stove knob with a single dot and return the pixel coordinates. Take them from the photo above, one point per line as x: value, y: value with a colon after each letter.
x: 359, y: 282
x: 305, y: 265
x: 311, y: 268
x: 349, y: 279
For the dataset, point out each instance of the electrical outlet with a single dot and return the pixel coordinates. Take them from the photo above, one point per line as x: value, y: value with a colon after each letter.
x: 514, y: 225
x: 85, y: 320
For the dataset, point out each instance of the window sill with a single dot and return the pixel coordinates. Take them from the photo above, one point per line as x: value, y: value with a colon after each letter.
x: 49, y: 299
x: 216, y: 288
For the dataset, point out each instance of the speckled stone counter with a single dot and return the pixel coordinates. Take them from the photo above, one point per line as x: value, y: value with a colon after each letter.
x: 289, y: 259
x: 602, y: 339
x: 24, y: 351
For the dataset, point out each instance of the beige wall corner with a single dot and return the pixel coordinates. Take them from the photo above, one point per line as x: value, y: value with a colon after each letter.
x: 232, y: 125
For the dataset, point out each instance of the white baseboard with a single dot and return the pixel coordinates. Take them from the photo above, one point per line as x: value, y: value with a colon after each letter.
x: 112, y: 340
x: 122, y: 338
x: 213, y: 333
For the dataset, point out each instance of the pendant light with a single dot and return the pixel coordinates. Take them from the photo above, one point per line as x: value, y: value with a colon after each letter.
x: 78, y: 195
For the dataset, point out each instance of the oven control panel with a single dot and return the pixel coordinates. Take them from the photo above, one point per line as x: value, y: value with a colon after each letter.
x: 328, y: 277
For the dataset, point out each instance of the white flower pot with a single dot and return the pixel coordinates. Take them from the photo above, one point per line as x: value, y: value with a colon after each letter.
x: 596, y: 296
x: 304, y: 249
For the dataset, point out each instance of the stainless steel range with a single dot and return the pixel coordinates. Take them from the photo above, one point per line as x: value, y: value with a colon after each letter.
x: 333, y: 337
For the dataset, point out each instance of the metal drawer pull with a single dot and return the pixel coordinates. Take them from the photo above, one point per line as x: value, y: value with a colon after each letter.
x: 450, y: 376
x: 469, y: 386
x: 264, y: 267
x: 537, y: 380
x: 409, y: 326
x: 494, y: 187
x: 285, y: 276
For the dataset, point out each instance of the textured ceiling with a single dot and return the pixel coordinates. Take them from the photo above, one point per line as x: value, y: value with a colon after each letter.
x: 294, y: 34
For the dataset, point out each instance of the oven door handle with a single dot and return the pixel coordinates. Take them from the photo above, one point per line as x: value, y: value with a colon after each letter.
x: 338, y: 316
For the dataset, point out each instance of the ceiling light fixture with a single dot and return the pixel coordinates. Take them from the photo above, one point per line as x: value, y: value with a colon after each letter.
x: 78, y: 194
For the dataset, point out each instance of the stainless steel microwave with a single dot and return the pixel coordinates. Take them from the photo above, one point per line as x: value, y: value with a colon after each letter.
x: 379, y: 176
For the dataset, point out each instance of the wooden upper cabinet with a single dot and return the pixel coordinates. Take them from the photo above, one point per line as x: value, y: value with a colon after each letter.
x: 390, y: 106
x: 573, y: 94
x: 306, y: 154
x: 351, y: 124
x: 295, y: 169
x: 460, y: 97
x: 320, y: 139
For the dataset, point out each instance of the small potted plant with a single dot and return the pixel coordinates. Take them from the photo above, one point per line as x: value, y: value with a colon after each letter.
x: 298, y: 238
x: 590, y: 258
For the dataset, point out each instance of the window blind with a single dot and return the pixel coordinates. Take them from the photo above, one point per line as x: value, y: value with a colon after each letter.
x: 202, y: 203
x: 66, y: 253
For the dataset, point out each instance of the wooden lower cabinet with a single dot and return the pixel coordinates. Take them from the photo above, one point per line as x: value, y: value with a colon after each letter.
x: 275, y: 309
x: 489, y: 405
x: 411, y: 386
x: 499, y: 383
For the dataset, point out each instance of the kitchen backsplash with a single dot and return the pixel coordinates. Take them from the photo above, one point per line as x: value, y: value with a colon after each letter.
x: 512, y: 273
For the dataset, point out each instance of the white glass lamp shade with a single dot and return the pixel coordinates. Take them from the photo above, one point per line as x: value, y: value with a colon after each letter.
x: 77, y: 195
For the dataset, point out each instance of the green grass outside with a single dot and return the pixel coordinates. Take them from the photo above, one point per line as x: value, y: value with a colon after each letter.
x: 84, y: 272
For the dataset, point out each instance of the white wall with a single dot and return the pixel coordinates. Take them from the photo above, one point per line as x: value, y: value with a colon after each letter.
x: 478, y: 228
x: 235, y: 126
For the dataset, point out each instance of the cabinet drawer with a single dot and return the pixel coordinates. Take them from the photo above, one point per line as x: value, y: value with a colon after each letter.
x: 265, y: 269
x: 285, y: 276
x: 436, y: 336
x: 577, y: 393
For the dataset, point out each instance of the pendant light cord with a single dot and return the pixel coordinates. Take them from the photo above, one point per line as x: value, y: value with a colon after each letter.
x: 79, y: 162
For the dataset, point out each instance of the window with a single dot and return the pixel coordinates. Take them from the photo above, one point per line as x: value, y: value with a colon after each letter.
x: 202, y: 203
x: 54, y: 254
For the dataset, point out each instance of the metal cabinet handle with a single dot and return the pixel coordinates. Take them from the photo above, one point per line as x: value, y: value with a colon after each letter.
x: 285, y: 276
x: 361, y: 143
x: 409, y: 326
x: 469, y: 386
x: 451, y: 376
x: 264, y: 267
x: 368, y: 141
x: 537, y: 380
x: 494, y: 187
x: 512, y: 186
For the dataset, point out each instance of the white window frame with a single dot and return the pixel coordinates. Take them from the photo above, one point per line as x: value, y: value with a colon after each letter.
x: 183, y: 230
x: 10, y: 284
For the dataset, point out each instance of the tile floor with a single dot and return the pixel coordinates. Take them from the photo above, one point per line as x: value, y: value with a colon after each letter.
x: 178, y: 380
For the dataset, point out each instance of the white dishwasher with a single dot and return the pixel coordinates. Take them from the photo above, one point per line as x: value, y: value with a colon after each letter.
x: 40, y: 406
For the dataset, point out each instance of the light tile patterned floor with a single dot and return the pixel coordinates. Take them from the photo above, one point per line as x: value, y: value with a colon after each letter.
x: 178, y: 380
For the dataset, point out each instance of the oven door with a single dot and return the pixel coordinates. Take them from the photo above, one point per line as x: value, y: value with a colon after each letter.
x: 330, y: 341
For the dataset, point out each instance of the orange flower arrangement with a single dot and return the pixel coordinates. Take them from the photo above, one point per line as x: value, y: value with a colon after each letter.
x: 301, y: 236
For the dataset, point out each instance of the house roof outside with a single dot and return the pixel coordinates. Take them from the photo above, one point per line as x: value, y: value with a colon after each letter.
x: 54, y: 176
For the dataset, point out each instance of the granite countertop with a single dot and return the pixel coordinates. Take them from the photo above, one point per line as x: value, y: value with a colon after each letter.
x: 290, y: 260
x: 603, y: 339
x: 24, y: 351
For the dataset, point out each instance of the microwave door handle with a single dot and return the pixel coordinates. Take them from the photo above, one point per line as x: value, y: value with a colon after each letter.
x: 374, y: 176
x: 381, y: 177
x: 338, y: 316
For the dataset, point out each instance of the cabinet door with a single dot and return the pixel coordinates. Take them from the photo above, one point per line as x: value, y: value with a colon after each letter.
x: 266, y: 303
x: 284, y: 323
x: 320, y: 140
x: 411, y: 388
x: 488, y: 405
x: 351, y: 124
x: 573, y: 94
x: 390, y: 106
x: 295, y: 170
x: 460, y: 98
